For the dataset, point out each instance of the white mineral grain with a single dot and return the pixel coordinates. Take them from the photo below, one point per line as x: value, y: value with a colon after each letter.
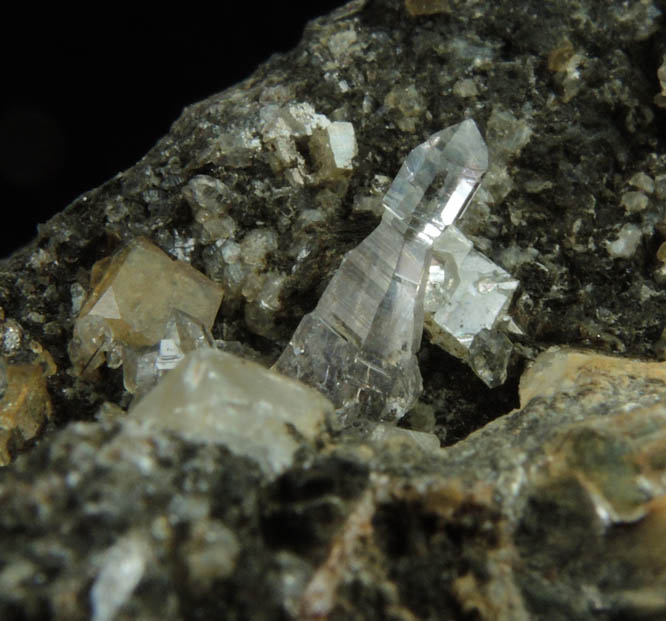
x: 78, y: 294
x: 210, y: 552
x: 391, y: 437
x: 634, y: 202
x: 334, y: 147
x: 506, y: 134
x: 231, y: 251
x: 206, y: 192
x: 341, y: 44
x: 660, y: 186
x: 465, y: 88
x: 408, y: 105
x: 257, y: 244
x: 271, y: 291
x: 642, y: 182
x: 214, y: 397
x: 624, y: 247
x: 122, y: 568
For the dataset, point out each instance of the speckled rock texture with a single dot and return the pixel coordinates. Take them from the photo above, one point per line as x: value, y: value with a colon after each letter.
x: 551, y: 511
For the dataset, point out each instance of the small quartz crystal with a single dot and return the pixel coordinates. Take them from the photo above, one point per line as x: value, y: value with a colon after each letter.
x: 143, y: 367
x: 489, y: 356
x: 358, y: 346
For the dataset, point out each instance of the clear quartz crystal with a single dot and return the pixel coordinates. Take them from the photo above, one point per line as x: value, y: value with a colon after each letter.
x: 358, y: 346
x: 143, y: 367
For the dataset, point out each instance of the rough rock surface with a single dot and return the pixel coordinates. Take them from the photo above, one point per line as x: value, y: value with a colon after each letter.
x: 553, y: 511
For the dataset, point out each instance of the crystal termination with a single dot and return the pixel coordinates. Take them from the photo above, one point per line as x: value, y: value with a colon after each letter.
x: 358, y: 346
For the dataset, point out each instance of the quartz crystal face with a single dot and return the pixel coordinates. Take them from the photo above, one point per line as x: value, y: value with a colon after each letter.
x: 358, y: 346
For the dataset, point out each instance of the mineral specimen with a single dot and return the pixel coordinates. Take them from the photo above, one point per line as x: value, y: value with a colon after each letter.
x: 210, y: 199
x: 628, y: 238
x: 358, y: 346
x: 215, y: 397
x: 134, y: 295
x: 331, y: 144
x: 467, y: 295
x: 143, y: 367
x: 553, y: 511
x: 333, y: 148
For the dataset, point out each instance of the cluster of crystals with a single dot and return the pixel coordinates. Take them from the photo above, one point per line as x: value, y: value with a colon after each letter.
x: 358, y: 346
x: 332, y: 145
x: 145, y: 312
x: 466, y: 302
x: 143, y: 367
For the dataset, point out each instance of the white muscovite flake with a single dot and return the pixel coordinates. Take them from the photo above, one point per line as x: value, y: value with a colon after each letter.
x: 358, y: 346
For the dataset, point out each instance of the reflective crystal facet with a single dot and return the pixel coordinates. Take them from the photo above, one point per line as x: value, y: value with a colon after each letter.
x: 489, y: 356
x: 143, y: 367
x: 358, y: 346
x: 214, y: 397
x: 466, y: 293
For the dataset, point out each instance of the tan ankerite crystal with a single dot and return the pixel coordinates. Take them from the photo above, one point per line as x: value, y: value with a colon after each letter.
x: 134, y: 293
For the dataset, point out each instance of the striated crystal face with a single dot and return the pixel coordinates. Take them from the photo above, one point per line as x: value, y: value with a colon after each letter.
x: 358, y: 346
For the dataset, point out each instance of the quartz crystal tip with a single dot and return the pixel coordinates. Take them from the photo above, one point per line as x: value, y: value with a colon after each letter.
x: 465, y: 146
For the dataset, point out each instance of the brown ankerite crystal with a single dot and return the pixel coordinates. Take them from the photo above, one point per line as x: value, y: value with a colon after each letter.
x: 134, y: 294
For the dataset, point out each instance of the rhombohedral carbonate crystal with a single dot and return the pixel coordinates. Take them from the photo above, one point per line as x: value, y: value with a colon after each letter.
x: 358, y: 346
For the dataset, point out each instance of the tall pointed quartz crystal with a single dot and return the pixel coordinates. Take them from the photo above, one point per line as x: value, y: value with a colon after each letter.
x: 358, y: 346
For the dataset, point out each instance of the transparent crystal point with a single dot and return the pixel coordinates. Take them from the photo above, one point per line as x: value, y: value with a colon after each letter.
x: 358, y: 346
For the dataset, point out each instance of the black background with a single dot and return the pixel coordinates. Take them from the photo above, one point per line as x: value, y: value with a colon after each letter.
x: 85, y: 96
